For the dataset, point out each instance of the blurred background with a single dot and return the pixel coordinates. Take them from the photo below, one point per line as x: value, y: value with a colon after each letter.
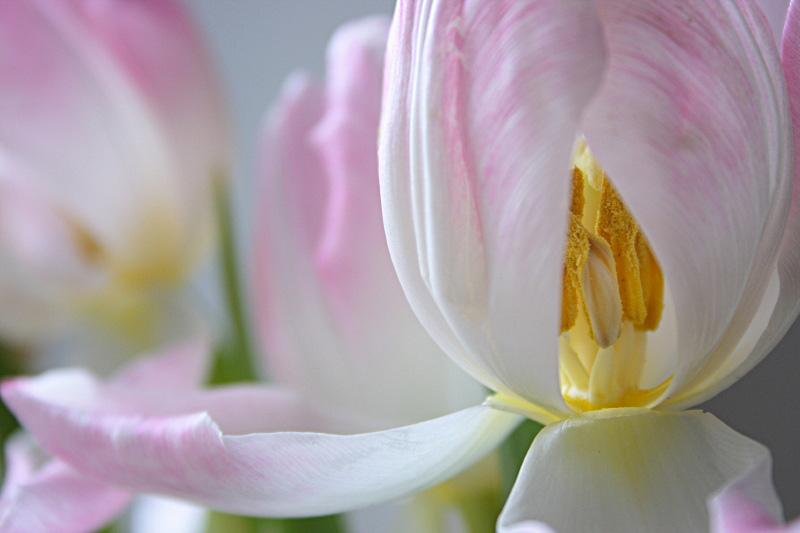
x: 258, y: 43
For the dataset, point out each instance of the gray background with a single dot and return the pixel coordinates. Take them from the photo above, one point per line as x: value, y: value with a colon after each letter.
x: 257, y: 43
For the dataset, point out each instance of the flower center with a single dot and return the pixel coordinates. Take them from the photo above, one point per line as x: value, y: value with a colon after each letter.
x: 613, y: 294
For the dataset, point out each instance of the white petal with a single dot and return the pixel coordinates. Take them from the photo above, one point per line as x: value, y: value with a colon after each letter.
x: 162, y: 442
x: 333, y: 320
x: 692, y: 126
x: 780, y: 304
x: 152, y: 515
x: 629, y: 470
x: 482, y: 103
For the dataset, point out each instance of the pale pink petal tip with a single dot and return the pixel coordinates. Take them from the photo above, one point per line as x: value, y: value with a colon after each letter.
x: 747, y: 506
x: 43, y: 494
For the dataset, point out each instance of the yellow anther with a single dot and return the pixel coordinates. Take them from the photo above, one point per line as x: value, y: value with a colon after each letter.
x: 589, y: 277
x: 578, y: 201
x: 592, y: 170
x: 652, y: 284
x: 576, y: 256
x: 638, y: 274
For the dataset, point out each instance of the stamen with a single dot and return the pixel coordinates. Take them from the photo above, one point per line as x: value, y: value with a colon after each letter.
x: 613, y: 293
x: 652, y: 281
x: 590, y: 280
x: 601, y: 294
x: 641, y: 285
x: 577, y: 253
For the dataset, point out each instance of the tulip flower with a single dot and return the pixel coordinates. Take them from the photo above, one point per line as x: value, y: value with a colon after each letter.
x: 586, y: 204
x: 112, y: 140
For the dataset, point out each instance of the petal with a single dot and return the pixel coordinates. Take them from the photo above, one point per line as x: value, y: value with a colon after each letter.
x: 76, y: 109
x: 781, y: 303
x: 333, y: 319
x: 53, y: 497
x: 481, y: 110
x: 702, y: 161
x: 150, y: 514
x: 182, y: 367
x: 157, y: 45
x: 42, y: 259
x: 153, y: 442
x: 775, y: 12
x: 745, y: 506
x: 629, y: 470
x: 529, y: 526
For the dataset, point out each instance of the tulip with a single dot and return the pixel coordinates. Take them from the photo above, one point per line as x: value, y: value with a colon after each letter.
x: 506, y: 128
x: 587, y: 207
x: 112, y: 141
x: 338, y: 336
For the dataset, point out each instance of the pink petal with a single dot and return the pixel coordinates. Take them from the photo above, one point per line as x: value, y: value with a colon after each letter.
x: 481, y: 110
x: 44, y: 494
x: 41, y: 264
x: 744, y: 506
x: 53, y: 497
x: 775, y: 11
x: 780, y: 306
x: 692, y: 128
x: 181, y: 367
x: 159, y: 48
x: 162, y: 443
x: 333, y: 319
x: 112, y: 108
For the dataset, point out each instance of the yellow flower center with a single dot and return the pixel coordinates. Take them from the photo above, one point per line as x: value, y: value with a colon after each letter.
x: 613, y: 294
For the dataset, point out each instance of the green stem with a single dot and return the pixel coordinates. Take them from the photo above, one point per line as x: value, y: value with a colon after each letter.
x: 513, y: 451
x: 220, y: 522
x: 9, y: 366
x: 234, y: 361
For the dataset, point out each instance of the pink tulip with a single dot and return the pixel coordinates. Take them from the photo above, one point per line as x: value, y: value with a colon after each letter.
x: 112, y: 139
x: 687, y: 107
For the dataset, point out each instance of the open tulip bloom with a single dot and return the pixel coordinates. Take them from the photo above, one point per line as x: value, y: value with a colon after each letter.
x: 589, y: 207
